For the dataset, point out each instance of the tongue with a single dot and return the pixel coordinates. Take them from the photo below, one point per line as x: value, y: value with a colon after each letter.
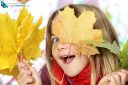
x: 69, y: 59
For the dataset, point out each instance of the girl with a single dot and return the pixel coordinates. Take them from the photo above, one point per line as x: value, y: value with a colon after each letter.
x: 71, y: 58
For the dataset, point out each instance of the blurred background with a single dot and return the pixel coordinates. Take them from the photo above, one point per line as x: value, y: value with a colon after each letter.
x: 115, y: 10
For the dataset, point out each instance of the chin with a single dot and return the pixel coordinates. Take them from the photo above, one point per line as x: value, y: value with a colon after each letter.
x: 71, y: 74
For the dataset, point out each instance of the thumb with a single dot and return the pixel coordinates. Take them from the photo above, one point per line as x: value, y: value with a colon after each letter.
x: 37, y: 79
x: 34, y: 72
x: 32, y: 69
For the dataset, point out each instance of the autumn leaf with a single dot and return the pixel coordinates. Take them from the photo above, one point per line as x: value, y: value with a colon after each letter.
x: 71, y: 29
x: 20, y: 36
x: 75, y: 30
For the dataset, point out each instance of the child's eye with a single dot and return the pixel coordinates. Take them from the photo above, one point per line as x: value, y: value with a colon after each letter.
x: 54, y: 39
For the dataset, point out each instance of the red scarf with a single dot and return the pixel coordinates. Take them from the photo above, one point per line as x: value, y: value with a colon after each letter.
x: 84, y: 78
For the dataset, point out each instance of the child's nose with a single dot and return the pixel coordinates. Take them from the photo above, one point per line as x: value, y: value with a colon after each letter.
x: 63, y: 46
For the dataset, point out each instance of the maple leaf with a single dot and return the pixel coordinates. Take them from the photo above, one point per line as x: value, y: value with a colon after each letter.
x: 73, y: 30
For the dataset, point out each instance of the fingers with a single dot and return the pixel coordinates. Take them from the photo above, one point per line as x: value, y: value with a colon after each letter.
x: 22, y: 62
x: 25, y: 80
x: 22, y: 65
x: 37, y: 79
x: 115, y: 78
x: 118, y: 78
x: 25, y: 75
x: 124, y: 76
x: 33, y: 70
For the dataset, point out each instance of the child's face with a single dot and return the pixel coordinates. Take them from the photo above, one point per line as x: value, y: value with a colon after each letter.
x: 67, y: 58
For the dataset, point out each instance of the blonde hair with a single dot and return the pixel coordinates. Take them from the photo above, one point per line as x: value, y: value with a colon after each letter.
x: 100, y: 64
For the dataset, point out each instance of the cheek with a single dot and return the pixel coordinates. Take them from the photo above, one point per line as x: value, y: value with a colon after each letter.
x: 54, y: 51
x: 81, y: 60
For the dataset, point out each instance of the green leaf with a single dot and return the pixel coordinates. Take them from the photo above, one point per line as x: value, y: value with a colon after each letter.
x: 114, y: 48
x: 124, y: 56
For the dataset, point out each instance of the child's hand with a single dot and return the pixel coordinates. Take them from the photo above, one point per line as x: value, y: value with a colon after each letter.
x: 115, y: 78
x: 27, y: 74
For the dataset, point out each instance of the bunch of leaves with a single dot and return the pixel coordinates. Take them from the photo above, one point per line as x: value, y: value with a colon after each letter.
x: 20, y: 36
x: 114, y: 48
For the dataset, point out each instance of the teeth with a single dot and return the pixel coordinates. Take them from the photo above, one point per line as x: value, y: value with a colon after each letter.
x: 65, y: 56
x: 67, y: 59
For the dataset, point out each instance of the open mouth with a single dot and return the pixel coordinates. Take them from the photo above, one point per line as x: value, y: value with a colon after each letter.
x: 67, y: 59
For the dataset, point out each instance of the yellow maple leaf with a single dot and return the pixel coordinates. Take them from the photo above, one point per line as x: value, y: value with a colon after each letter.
x: 76, y: 31
x: 19, y: 36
